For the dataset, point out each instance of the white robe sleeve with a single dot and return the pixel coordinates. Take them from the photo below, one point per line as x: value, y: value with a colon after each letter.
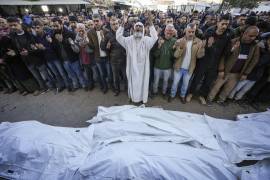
x: 120, y: 38
x: 153, y: 37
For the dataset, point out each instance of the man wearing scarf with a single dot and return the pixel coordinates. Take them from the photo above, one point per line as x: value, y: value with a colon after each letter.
x: 138, y: 48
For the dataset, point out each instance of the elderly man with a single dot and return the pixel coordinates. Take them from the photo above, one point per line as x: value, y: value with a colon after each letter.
x: 164, y: 57
x: 138, y: 48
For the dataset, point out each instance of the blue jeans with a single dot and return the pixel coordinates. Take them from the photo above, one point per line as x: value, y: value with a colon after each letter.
x: 59, y: 73
x: 41, y: 74
x: 177, y: 76
x: 75, y: 73
x: 104, y: 71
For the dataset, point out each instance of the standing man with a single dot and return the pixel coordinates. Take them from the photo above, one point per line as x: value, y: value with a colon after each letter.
x: 117, y: 54
x: 243, y: 58
x: 218, y: 40
x: 164, y: 58
x: 138, y: 49
x: 95, y: 37
x: 188, y: 49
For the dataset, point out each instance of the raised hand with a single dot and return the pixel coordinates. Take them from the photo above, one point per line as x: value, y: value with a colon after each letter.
x: 108, y: 45
x: 210, y: 41
x: 236, y: 45
x: 11, y: 52
x: 160, y: 42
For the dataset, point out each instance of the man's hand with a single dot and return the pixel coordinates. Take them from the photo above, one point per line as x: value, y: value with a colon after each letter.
x: 71, y: 41
x: 109, y: 45
x: 160, y: 42
x: 243, y: 77
x: 11, y: 52
x: 33, y: 47
x: 124, y: 20
x: 210, y: 41
x: 40, y: 46
x: 1, y: 61
x: 59, y: 37
x: 221, y: 74
x: 235, y: 46
x: 49, y: 39
x: 24, y: 52
x: 182, y: 43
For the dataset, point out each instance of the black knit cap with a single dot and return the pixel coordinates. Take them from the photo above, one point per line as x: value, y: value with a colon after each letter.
x: 13, y: 19
x: 73, y: 18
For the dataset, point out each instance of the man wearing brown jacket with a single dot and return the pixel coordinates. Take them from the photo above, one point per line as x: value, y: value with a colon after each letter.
x: 188, y: 49
x: 242, y: 59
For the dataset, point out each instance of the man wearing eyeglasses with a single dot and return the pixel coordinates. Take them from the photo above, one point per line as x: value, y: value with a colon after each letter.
x: 138, y: 49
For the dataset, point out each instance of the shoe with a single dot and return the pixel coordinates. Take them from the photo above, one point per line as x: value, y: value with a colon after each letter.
x: 183, y: 100
x: 164, y: 96
x: 117, y: 93
x: 24, y: 93
x: 44, y: 91
x: 36, y: 93
x: 209, y: 102
x: 6, y: 90
x: 170, y: 99
x: 105, y: 90
x: 86, y: 89
x: 202, y: 100
x: 188, y: 98
x: 221, y: 102
x: 91, y: 87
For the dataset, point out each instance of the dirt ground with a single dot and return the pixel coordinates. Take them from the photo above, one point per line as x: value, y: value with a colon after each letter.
x: 73, y: 109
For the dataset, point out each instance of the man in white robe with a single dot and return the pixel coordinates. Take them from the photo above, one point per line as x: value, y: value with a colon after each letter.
x: 138, y: 48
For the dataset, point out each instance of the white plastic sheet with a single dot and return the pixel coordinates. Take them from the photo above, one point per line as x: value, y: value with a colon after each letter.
x: 155, y: 160
x: 31, y: 150
x: 246, y: 139
x: 129, y: 142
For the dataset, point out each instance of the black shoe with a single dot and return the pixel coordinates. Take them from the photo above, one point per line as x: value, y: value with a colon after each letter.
x: 105, y: 90
x: 170, y: 99
x: 91, y: 87
x: 86, y: 89
x: 183, y: 100
x: 117, y: 93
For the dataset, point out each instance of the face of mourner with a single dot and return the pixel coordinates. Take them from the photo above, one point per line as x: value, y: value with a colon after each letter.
x: 138, y: 31
x: 190, y: 32
x: 15, y: 26
x: 223, y: 25
x: 114, y: 25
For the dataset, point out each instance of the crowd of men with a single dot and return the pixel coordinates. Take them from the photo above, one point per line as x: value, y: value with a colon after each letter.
x: 211, y: 56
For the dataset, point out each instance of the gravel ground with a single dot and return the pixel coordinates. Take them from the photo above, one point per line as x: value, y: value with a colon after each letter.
x: 73, y: 109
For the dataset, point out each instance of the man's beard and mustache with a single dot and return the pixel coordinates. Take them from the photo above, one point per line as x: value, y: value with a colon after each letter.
x: 138, y: 34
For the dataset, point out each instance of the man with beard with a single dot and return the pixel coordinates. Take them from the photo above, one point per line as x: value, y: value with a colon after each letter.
x: 218, y: 40
x: 116, y: 54
x: 68, y: 53
x: 239, y: 64
x: 138, y: 48
x: 44, y: 41
x: 188, y: 49
x: 31, y: 54
x: 95, y: 37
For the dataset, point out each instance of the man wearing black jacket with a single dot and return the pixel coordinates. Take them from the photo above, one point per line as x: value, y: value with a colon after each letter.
x: 68, y: 52
x: 49, y: 53
x: 31, y: 54
x: 218, y: 40
x: 116, y: 54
